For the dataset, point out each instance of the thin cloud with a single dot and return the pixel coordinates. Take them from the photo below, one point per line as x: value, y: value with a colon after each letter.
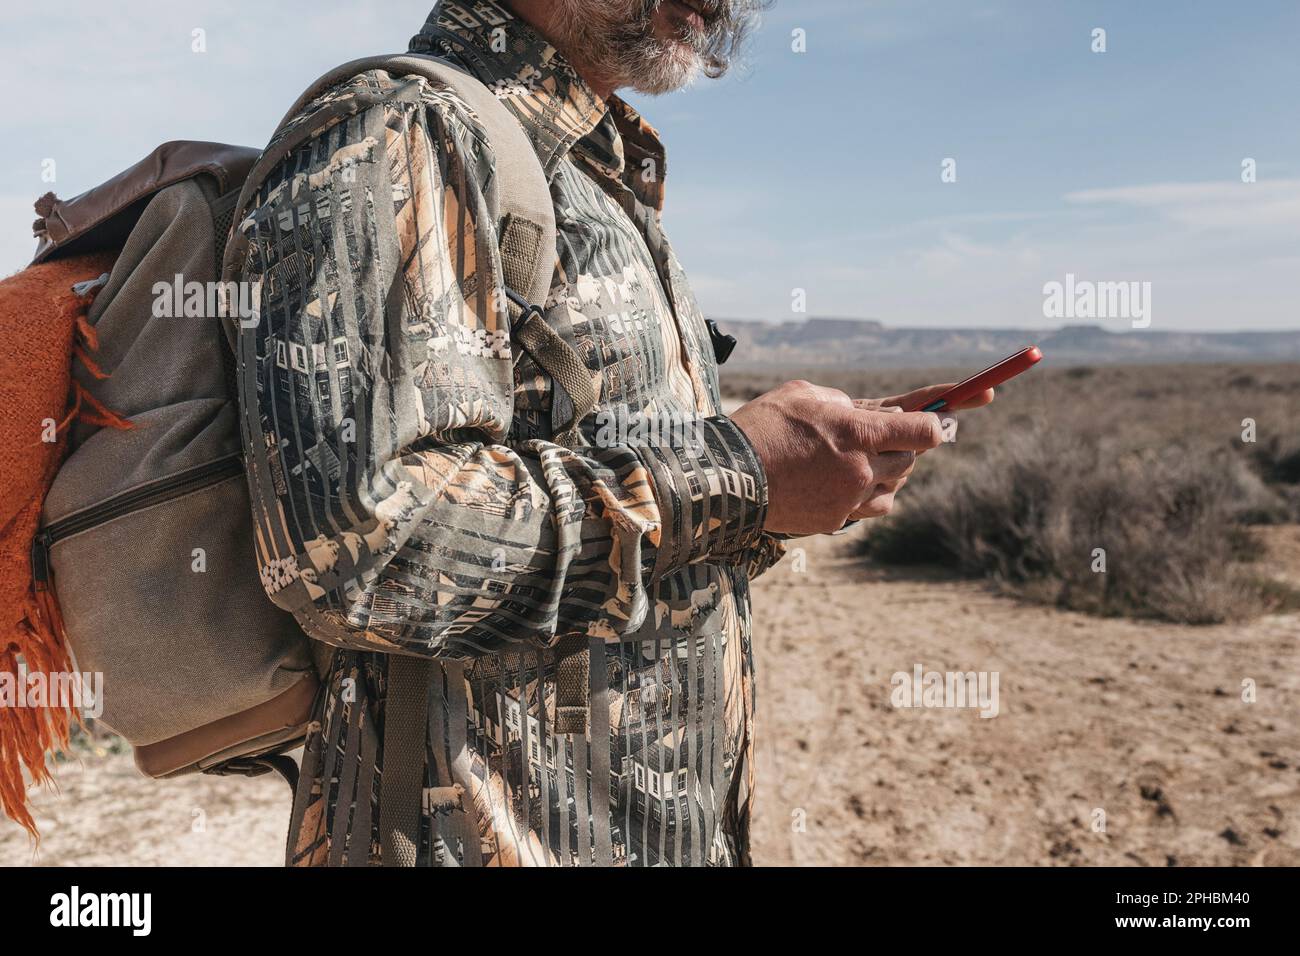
x: 1208, y: 205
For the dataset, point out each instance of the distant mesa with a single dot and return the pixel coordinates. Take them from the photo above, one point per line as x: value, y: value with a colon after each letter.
x: 835, y: 328
x: 869, y: 343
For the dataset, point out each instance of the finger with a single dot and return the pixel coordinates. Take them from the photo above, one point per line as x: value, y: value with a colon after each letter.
x: 877, y: 404
x: 876, y: 507
x: 880, y: 490
x: 920, y: 397
x: 891, y: 466
x: 917, y: 398
x: 901, y: 431
x: 975, y: 401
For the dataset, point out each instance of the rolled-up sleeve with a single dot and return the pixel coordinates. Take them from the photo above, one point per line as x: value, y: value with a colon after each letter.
x: 392, y: 510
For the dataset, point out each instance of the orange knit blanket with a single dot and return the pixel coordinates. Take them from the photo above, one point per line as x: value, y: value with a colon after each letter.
x: 42, y: 328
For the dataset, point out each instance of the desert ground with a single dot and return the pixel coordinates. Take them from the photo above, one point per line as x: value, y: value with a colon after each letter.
x: 1117, y: 740
x: 1142, y: 721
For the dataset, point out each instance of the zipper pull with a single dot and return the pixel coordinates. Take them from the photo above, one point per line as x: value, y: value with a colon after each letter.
x: 41, y: 559
x: 81, y: 289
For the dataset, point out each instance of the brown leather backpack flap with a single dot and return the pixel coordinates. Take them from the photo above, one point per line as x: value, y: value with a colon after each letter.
x: 103, y: 216
x: 272, y: 725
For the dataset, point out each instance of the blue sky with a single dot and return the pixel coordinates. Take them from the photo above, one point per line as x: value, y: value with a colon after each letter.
x: 817, y: 170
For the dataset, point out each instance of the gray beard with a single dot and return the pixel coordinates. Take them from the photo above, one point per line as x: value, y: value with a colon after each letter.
x: 617, y: 41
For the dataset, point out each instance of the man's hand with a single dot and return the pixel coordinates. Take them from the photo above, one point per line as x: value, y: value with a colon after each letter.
x: 920, y: 397
x: 827, y: 460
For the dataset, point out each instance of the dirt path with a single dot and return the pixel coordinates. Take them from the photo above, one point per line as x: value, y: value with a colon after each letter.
x: 106, y: 813
x: 1144, y: 722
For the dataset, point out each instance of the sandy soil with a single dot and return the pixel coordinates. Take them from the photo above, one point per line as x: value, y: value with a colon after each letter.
x: 1144, y: 722
x: 106, y: 813
x: 1141, y: 722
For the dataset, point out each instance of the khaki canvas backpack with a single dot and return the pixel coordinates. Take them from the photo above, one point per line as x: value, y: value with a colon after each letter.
x: 146, y: 533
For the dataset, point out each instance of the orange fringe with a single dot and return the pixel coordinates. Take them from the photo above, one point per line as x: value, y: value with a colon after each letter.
x: 27, y: 734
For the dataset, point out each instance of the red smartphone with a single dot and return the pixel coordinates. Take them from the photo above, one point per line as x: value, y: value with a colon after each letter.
x: 994, y: 375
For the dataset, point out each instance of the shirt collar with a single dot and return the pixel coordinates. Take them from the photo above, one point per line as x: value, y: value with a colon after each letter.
x: 557, y: 108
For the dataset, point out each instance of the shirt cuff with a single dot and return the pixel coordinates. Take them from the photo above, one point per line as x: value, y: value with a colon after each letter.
x: 712, y: 496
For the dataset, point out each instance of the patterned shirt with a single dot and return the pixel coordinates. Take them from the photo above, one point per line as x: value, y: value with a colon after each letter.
x: 407, y: 493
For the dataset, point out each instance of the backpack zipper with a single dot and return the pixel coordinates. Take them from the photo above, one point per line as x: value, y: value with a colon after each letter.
x: 173, y: 486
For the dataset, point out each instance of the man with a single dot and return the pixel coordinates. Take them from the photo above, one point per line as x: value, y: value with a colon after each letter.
x: 474, y: 538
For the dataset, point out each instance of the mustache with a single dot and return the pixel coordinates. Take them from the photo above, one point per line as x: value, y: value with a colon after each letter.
x: 710, y: 10
x: 716, y: 13
x: 727, y: 24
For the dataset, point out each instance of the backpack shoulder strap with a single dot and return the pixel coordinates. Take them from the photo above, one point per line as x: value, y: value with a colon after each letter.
x: 527, y: 228
x: 528, y: 217
x: 527, y: 211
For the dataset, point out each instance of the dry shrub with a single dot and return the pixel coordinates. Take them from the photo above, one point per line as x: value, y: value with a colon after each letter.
x: 1278, y: 459
x: 1148, y: 462
x: 1028, y: 512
